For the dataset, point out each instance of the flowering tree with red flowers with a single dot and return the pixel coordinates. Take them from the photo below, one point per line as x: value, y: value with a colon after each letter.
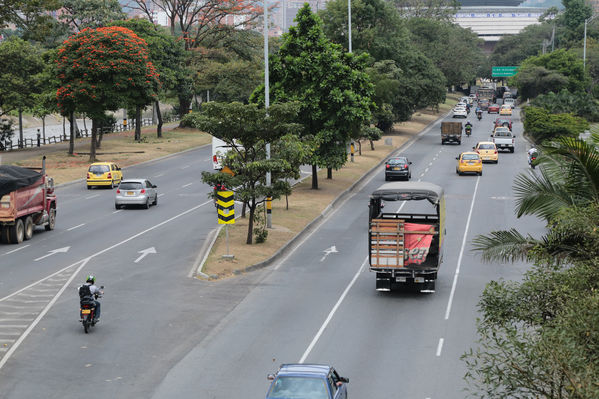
x: 104, y: 69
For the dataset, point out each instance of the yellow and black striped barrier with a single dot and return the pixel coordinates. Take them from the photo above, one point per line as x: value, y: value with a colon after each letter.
x: 225, y: 205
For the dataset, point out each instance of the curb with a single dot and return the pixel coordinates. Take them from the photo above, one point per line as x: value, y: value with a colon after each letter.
x: 317, y: 220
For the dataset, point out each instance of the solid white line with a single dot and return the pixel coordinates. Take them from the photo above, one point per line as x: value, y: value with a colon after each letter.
x: 331, y: 314
x: 186, y: 185
x: 92, y: 196
x: 457, y: 270
x: 440, y: 347
x: 75, y: 227
x: 185, y: 167
x: 117, y: 211
x: 18, y: 249
x: 40, y: 316
x: 159, y: 175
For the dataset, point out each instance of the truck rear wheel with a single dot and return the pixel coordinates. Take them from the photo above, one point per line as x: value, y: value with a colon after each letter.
x: 28, y: 233
x: 16, y: 233
x: 51, y: 220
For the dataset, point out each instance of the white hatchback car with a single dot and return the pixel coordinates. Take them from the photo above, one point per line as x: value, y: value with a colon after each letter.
x: 136, y: 192
x: 460, y: 112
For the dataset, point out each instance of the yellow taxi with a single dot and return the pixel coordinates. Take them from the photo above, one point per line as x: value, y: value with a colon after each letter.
x: 469, y: 162
x: 487, y: 151
x: 505, y: 109
x: 104, y: 174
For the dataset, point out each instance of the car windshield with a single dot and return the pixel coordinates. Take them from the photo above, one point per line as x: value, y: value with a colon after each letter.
x: 98, y: 169
x: 130, y: 185
x: 486, y: 147
x: 298, y: 388
x: 470, y: 157
x: 397, y: 161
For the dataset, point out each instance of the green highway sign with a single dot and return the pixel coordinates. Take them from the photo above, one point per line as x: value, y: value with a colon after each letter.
x: 504, y: 71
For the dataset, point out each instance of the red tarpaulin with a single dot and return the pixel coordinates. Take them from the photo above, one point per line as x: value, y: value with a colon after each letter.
x: 417, y: 245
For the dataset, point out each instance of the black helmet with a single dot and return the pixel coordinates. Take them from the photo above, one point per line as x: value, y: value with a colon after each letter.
x: 90, y: 279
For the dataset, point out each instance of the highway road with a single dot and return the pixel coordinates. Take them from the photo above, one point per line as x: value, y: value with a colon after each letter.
x: 166, y: 335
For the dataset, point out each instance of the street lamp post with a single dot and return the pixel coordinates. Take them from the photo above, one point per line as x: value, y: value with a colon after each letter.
x: 266, y: 105
x: 584, y: 47
x: 349, y: 22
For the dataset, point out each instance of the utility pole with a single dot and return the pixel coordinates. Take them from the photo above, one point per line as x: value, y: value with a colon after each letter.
x: 266, y: 105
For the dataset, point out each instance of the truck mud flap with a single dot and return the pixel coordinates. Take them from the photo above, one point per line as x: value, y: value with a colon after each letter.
x: 383, y: 282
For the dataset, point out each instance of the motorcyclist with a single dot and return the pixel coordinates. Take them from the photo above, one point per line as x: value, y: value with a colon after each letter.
x: 533, y: 152
x: 89, y: 292
x: 479, y: 112
x: 468, y: 127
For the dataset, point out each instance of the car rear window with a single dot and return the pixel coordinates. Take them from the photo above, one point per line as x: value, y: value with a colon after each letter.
x: 470, y: 157
x: 396, y: 161
x: 502, y: 133
x: 99, y: 169
x: 130, y: 185
x: 486, y: 147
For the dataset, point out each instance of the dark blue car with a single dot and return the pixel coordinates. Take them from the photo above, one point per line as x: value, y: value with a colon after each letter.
x: 307, y: 381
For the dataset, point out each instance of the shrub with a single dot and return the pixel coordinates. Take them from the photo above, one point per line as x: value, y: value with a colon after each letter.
x: 542, y: 125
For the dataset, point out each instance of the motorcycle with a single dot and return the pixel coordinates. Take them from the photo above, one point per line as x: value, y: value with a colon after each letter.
x: 87, y: 312
x: 468, y: 131
x: 479, y: 115
x: 531, y: 161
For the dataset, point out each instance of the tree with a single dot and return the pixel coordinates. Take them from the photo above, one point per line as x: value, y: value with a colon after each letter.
x: 331, y: 86
x: 511, y: 50
x: 45, y: 101
x: 543, y: 125
x: 32, y: 17
x: 79, y: 15
x: 247, y: 129
x: 535, y: 80
x: 580, y: 103
x: 20, y: 65
x: 166, y: 54
x: 104, y: 69
x: 576, y: 11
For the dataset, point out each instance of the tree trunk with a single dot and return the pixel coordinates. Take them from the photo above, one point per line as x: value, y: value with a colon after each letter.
x: 71, y: 133
x: 329, y: 173
x: 64, y: 130
x: 371, y: 145
x: 252, y: 206
x: 243, y: 207
x: 137, y: 123
x: 314, y: 177
x: 360, y: 147
x: 184, y: 105
x: 85, y: 124
x: 100, y: 137
x: 44, y: 128
x: 21, y: 143
x: 159, y: 115
x: 92, y: 150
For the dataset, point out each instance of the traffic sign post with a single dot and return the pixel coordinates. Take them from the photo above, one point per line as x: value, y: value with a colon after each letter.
x: 225, y: 206
x: 504, y: 71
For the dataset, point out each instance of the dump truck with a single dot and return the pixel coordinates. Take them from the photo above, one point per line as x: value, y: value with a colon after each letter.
x: 405, y: 247
x: 27, y: 200
x: 451, y: 132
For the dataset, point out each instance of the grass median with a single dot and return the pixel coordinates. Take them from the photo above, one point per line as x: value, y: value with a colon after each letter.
x: 306, y: 204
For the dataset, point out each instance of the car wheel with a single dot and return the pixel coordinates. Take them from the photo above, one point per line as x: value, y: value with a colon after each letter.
x: 480, y: 173
x: 497, y: 161
x: 89, y: 187
x: 117, y: 206
x: 51, y: 220
x: 155, y: 200
x: 28, y: 233
x: 147, y: 204
x: 386, y: 178
x: 16, y: 232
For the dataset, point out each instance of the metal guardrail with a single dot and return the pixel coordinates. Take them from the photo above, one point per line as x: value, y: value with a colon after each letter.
x: 9, y: 145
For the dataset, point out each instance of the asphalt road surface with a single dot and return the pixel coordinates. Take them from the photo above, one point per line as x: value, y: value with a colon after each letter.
x: 166, y: 335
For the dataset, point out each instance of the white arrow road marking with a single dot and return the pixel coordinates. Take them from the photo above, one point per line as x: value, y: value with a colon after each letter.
x: 328, y: 251
x: 54, y: 251
x: 145, y: 252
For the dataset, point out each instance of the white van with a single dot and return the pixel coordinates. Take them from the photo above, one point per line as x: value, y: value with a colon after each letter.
x: 219, y: 151
x: 510, y: 101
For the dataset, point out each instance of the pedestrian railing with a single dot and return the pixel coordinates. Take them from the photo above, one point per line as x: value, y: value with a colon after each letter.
x: 10, y: 145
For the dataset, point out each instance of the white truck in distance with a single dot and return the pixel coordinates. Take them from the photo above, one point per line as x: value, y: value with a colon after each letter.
x: 503, y: 138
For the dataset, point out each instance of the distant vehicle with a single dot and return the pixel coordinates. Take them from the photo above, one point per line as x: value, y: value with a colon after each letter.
x: 451, y: 132
x: 103, y: 174
x: 398, y: 167
x: 484, y: 104
x: 136, y: 192
x: 469, y: 162
x: 510, y: 101
x: 27, y: 199
x: 460, y: 112
x: 485, y: 93
x: 306, y: 381
x: 503, y: 138
x: 506, y: 109
x: 493, y: 109
x: 502, y: 121
x: 406, y: 247
x: 487, y: 151
x: 219, y: 151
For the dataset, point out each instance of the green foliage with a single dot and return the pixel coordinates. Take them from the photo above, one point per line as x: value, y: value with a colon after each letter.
x: 442, y: 10
x: 543, y: 125
x: 513, y: 49
x: 6, y: 131
x: 260, y: 231
x: 20, y: 79
x: 535, y: 80
x: 580, y: 104
x: 31, y: 17
x: 78, y: 15
x: 246, y: 129
x: 576, y: 11
x: 332, y: 87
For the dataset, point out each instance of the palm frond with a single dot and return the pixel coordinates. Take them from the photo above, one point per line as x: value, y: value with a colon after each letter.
x: 541, y: 194
x: 504, y: 246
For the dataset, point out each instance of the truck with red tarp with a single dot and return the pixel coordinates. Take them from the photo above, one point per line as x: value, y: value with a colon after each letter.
x: 405, y: 247
x: 27, y: 200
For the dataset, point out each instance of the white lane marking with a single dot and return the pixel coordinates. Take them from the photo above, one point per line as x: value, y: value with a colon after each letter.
x: 52, y: 252
x: 440, y: 347
x: 332, y: 313
x: 75, y: 227
x: 92, y: 196
x: 144, y: 253
x: 457, y: 270
x: 185, y: 167
x: 18, y: 249
x: 425, y: 170
x: 159, y: 175
x: 330, y: 250
x: 160, y: 195
x: 117, y: 211
x: 83, y: 263
x: 430, y: 164
x: 18, y: 342
x: 186, y: 185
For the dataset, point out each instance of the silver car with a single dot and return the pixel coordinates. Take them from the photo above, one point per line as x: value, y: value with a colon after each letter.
x: 136, y: 192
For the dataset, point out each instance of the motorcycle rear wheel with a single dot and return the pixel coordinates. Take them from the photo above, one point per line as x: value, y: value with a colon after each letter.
x: 86, y: 323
